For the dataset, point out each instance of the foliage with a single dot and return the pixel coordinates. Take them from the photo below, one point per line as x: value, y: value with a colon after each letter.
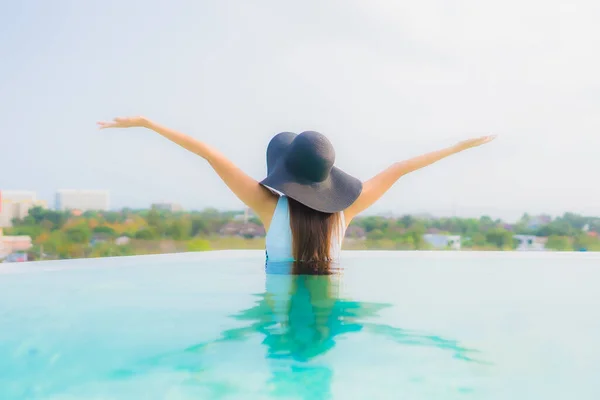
x: 501, y: 238
x: 198, y: 245
x: 93, y: 234
x: 104, y: 229
x: 79, y: 234
x: 147, y: 234
x: 559, y: 243
x: 585, y: 242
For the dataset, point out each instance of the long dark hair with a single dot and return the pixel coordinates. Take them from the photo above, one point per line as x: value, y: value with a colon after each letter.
x: 312, y: 233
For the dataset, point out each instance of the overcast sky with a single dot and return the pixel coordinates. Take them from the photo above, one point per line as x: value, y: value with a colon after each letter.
x: 384, y: 80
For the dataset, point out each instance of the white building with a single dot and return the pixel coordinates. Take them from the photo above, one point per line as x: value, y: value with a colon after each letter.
x: 16, y: 205
x: 443, y: 241
x: 19, y: 195
x: 82, y: 200
x: 10, y: 244
x: 165, y: 206
x: 530, y: 243
x: 122, y: 241
x: 586, y: 228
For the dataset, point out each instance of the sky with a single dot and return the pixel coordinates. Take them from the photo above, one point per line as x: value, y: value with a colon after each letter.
x: 384, y: 80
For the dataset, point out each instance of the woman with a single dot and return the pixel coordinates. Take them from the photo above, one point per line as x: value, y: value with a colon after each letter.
x: 305, y: 202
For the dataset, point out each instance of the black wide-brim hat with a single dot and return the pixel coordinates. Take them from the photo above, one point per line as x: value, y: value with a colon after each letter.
x: 301, y: 167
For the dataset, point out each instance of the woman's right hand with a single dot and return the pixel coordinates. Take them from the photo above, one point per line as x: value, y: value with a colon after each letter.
x: 475, y: 142
x: 124, y: 122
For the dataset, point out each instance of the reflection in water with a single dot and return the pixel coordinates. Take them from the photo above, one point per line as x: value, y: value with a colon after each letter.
x: 300, y: 317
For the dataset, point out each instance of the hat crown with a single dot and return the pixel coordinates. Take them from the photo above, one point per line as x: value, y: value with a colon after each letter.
x: 311, y: 157
x: 277, y: 148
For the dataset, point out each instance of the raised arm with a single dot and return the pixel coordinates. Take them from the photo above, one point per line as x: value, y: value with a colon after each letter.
x: 376, y: 187
x: 247, y: 189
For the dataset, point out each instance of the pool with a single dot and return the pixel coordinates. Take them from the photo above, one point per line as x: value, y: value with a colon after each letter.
x: 394, y: 325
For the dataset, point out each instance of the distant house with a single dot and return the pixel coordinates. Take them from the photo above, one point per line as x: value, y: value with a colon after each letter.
x: 12, y: 244
x: 530, y: 243
x: 356, y: 232
x: 122, y: 241
x: 439, y: 241
x: 99, y: 238
x: 236, y: 228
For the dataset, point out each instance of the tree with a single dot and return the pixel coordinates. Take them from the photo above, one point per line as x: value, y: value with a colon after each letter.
x: 147, y: 234
x: 375, y: 234
x: 111, y: 217
x: 79, y: 234
x: 180, y: 229
x: 560, y: 243
x: 157, y: 221
x: 110, y: 250
x: 478, y: 239
x: 585, y: 242
x: 106, y: 230
x: 372, y: 223
x: 199, y: 226
x: 417, y: 231
x: 486, y: 223
x: 501, y: 238
x: 525, y: 218
x: 38, y: 214
x: 407, y: 220
x: 57, y: 244
x: 26, y: 230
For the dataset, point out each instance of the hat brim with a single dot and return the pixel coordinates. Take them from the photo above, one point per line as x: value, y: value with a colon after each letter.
x: 334, y: 194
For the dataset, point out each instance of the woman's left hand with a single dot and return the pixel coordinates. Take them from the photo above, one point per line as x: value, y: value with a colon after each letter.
x: 124, y: 122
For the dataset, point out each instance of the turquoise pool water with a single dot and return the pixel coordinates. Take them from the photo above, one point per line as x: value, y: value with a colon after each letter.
x: 213, y: 326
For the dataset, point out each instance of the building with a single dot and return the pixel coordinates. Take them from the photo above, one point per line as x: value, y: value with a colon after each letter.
x: 122, y: 241
x: 16, y: 205
x: 12, y: 244
x: 443, y: 241
x: 82, y: 200
x: 355, y: 232
x: 16, y: 243
x: 530, y: 243
x: 19, y: 195
x: 172, y: 207
x: 248, y: 230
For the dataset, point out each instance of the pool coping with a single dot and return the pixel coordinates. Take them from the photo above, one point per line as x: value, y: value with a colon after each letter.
x: 253, y: 255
